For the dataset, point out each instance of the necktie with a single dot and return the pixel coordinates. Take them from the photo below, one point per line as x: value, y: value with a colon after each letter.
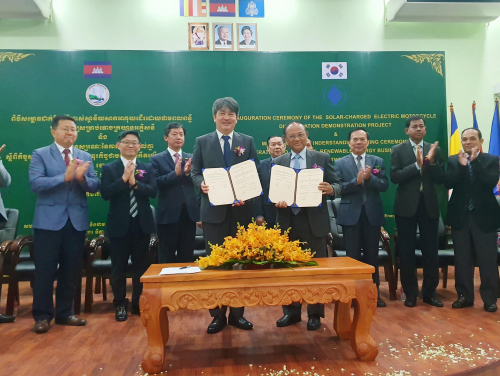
x: 177, y: 156
x: 471, y: 175
x: 227, y: 150
x: 133, y: 204
x: 296, y: 166
x: 66, y: 156
x: 417, y: 148
x: 358, y: 164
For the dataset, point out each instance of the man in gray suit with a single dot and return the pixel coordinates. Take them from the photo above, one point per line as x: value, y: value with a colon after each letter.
x: 310, y: 225
x: 4, y: 182
x: 215, y: 150
x: 362, y: 177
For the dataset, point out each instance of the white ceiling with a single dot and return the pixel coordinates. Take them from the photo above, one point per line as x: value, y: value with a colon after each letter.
x: 25, y: 8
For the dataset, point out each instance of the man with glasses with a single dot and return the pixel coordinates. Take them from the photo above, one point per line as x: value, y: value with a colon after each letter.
x: 417, y: 166
x: 310, y: 225
x: 128, y: 184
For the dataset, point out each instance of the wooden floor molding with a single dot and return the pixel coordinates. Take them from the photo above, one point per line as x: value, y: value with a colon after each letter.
x: 412, y: 341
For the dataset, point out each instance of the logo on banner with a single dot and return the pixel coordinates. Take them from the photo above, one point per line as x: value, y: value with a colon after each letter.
x: 97, y: 95
x: 334, y: 96
x: 334, y: 71
x: 97, y: 69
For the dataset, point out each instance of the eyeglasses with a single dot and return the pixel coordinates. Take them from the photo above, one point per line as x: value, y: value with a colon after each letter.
x: 129, y: 143
x: 300, y: 136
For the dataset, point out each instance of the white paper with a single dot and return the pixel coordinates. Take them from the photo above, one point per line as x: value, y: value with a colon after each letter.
x: 308, y: 194
x: 219, y: 186
x: 180, y: 270
x: 245, y: 179
x: 282, y: 184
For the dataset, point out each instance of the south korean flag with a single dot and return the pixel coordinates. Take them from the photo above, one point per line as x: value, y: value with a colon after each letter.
x: 334, y: 71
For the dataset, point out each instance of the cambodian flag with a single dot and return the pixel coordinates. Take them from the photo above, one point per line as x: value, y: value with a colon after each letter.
x: 97, y: 69
x: 222, y: 8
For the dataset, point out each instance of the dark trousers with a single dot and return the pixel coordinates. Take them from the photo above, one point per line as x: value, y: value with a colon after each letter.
x: 215, y: 233
x: 301, y: 230
x: 135, y: 244
x: 270, y: 215
x: 407, y: 229
x: 363, y: 236
x: 177, y: 237
x: 52, y: 248
x: 469, y: 241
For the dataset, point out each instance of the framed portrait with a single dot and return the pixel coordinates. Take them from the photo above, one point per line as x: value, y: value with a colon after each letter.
x: 223, y: 36
x: 198, y: 36
x: 247, y: 37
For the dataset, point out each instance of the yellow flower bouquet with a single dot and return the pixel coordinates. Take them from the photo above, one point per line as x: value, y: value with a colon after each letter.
x: 260, y: 246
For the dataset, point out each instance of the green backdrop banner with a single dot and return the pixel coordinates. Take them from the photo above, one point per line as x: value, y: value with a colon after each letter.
x: 146, y: 90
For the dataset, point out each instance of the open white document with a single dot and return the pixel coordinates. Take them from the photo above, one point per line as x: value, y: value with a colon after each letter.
x: 180, y: 270
x: 296, y: 187
x: 238, y: 182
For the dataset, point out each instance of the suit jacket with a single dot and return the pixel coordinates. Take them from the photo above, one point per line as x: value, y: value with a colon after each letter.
x: 318, y: 216
x: 173, y: 190
x: 480, y: 191
x: 269, y: 208
x: 352, y: 193
x: 114, y: 189
x: 228, y: 42
x: 57, y: 200
x: 405, y: 174
x: 4, y: 182
x: 207, y: 153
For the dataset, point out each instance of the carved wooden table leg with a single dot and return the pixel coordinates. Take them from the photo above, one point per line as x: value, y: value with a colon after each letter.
x: 342, y: 320
x: 365, y: 305
x: 155, y: 320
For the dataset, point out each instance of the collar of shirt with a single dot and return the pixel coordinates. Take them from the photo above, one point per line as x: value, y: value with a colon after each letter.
x: 125, y: 161
x: 302, y: 153
x: 61, y: 149
x: 421, y: 144
x: 302, y: 160
x: 172, y: 152
x: 221, y: 141
x: 363, y: 156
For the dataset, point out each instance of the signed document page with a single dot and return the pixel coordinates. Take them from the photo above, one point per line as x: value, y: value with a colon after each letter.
x: 308, y: 193
x: 282, y: 184
x: 245, y: 179
x: 220, y: 190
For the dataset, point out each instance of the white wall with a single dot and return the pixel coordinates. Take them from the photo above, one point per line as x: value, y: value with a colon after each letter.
x: 472, y: 50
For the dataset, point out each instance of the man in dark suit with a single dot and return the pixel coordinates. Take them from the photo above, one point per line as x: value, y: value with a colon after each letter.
x: 60, y: 175
x: 361, y: 212
x: 310, y: 225
x: 276, y: 147
x: 178, y: 209
x: 474, y: 216
x: 223, y: 33
x: 416, y: 203
x: 128, y: 184
x: 216, y: 150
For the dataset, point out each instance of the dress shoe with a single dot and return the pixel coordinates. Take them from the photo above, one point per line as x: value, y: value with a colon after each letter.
x: 461, y: 303
x: 381, y: 303
x: 433, y: 302
x: 121, y: 313
x: 314, y: 323
x: 135, y: 310
x: 490, y: 308
x: 239, y: 322
x: 71, y: 321
x: 411, y: 302
x: 41, y: 326
x: 6, y: 319
x: 288, y: 320
x: 218, y: 323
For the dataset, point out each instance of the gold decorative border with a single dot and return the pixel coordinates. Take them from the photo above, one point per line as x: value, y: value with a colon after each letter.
x: 13, y: 56
x: 434, y: 59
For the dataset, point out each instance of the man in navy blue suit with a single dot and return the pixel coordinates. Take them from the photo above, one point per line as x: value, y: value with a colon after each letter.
x: 362, y: 177
x: 178, y: 210
x: 60, y: 175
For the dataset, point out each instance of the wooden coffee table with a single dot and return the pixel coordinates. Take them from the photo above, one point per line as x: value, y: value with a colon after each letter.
x: 336, y: 279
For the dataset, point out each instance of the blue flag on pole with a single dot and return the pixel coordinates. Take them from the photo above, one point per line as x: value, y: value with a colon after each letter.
x: 494, y: 147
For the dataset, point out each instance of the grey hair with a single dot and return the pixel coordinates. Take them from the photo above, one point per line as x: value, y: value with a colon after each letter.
x: 226, y: 102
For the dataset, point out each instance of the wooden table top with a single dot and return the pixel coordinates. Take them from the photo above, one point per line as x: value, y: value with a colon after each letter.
x: 340, y: 266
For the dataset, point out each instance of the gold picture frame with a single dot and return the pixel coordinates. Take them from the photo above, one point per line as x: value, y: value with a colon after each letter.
x: 221, y: 31
x: 198, y: 36
x: 247, y: 37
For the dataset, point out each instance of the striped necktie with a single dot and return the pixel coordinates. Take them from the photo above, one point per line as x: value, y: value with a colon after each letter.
x: 359, y: 166
x: 471, y: 176
x: 133, y: 204
x: 296, y: 166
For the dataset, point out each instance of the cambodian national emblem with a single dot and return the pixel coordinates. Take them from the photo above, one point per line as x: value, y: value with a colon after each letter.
x: 251, y: 9
x: 97, y: 95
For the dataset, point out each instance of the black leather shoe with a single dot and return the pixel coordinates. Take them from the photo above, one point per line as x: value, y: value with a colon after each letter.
x: 41, y: 326
x: 433, y: 302
x: 121, y: 313
x: 314, y: 323
x: 71, y: 321
x: 381, y: 303
x: 135, y: 310
x: 411, y: 302
x: 288, y: 320
x: 461, y: 303
x: 4, y: 319
x: 218, y: 323
x: 240, y: 322
x: 490, y: 308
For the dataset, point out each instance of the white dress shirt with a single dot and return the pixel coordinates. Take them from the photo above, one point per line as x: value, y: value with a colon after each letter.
x: 221, y: 141
x: 302, y: 160
x: 421, y: 144
x: 61, y: 149
x: 125, y: 161
x: 173, y: 152
x: 363, y: 159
